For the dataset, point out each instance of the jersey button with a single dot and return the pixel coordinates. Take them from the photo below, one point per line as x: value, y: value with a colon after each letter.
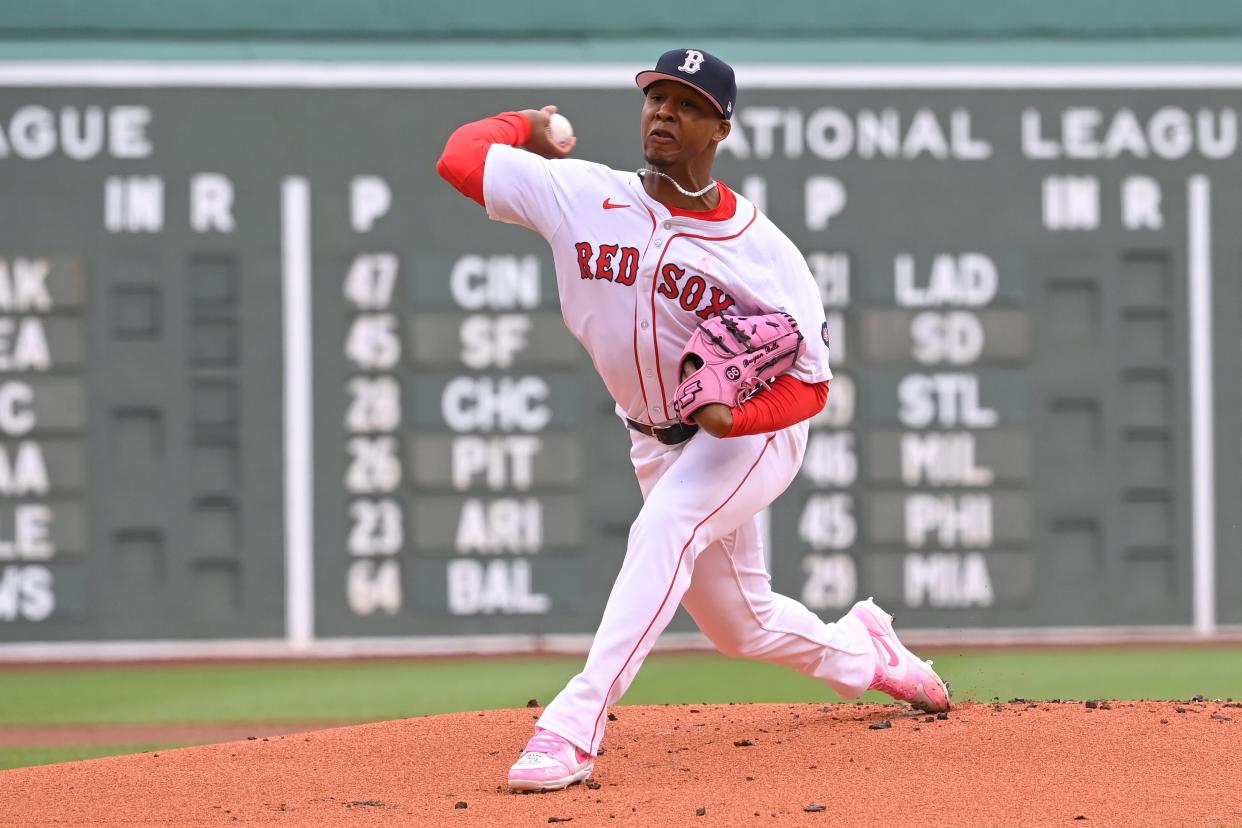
x: 659, y: 242
x: 668, y: 225
x: 643, y: 324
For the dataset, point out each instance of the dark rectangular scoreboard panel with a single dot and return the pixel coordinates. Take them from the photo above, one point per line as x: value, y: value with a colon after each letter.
x: 1006, y: 273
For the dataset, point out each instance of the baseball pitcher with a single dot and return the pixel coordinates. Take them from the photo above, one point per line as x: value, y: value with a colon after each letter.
x: 706, y: 327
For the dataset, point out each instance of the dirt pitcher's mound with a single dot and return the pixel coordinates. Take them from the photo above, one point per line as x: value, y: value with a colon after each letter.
x: 1041, y: 763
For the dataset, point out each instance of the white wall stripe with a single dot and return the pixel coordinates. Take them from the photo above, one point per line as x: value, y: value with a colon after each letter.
x: 1202, y: 417
x: 295, y: 247
x: 430, y: 646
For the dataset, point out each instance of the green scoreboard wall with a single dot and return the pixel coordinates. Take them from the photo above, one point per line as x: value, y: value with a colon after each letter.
x: 263, y: 375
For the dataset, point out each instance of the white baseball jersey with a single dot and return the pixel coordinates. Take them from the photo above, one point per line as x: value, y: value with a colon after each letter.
x: 635, y: 281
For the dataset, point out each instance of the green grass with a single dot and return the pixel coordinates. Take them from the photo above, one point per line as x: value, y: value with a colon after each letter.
x: 332, y: 692
x: 1083, y: 673
x: 30, y: 756
x: 368, y: 691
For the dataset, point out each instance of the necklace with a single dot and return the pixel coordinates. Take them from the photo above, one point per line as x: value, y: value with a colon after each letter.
x: 711, y: 186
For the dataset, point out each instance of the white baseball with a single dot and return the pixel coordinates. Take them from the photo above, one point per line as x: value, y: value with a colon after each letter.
x: 560, y: 130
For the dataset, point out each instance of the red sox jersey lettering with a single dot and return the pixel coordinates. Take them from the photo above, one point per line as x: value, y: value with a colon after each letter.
x: 617, y: 264
x: 690, y: 294
x: 612, y: 263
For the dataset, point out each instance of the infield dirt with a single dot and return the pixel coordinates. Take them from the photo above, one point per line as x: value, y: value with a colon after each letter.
x: 1017, y: 763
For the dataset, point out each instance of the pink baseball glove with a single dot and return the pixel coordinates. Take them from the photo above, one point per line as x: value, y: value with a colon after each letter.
x: 737, y: 356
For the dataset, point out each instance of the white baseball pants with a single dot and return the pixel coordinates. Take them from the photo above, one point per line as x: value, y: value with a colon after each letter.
x: 696, y: 542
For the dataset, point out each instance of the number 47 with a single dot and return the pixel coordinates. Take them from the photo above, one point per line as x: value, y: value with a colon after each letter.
x: 371, y: 279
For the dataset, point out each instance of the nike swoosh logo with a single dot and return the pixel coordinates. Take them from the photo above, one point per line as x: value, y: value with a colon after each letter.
x: 608, y: 205
x: 892, y: 656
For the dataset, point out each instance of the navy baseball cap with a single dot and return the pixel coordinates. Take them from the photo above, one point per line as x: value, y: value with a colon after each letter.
x: 698, y: 69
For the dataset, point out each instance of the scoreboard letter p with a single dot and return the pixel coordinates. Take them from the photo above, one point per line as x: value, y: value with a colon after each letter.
x: 825, y: 198
x: 369, y: 200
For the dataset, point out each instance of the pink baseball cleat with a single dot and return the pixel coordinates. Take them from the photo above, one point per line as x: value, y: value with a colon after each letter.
x: 549, y: 763
x: 898, y: 671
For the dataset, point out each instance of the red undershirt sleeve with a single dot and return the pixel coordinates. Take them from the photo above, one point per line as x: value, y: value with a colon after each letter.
x: 465, y: 154
x: 786, y: 401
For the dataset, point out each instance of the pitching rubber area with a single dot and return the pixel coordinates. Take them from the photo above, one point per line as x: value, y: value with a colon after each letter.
x: 1014, y: 763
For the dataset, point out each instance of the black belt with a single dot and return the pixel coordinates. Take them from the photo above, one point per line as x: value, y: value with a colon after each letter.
x: 669, y: 435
